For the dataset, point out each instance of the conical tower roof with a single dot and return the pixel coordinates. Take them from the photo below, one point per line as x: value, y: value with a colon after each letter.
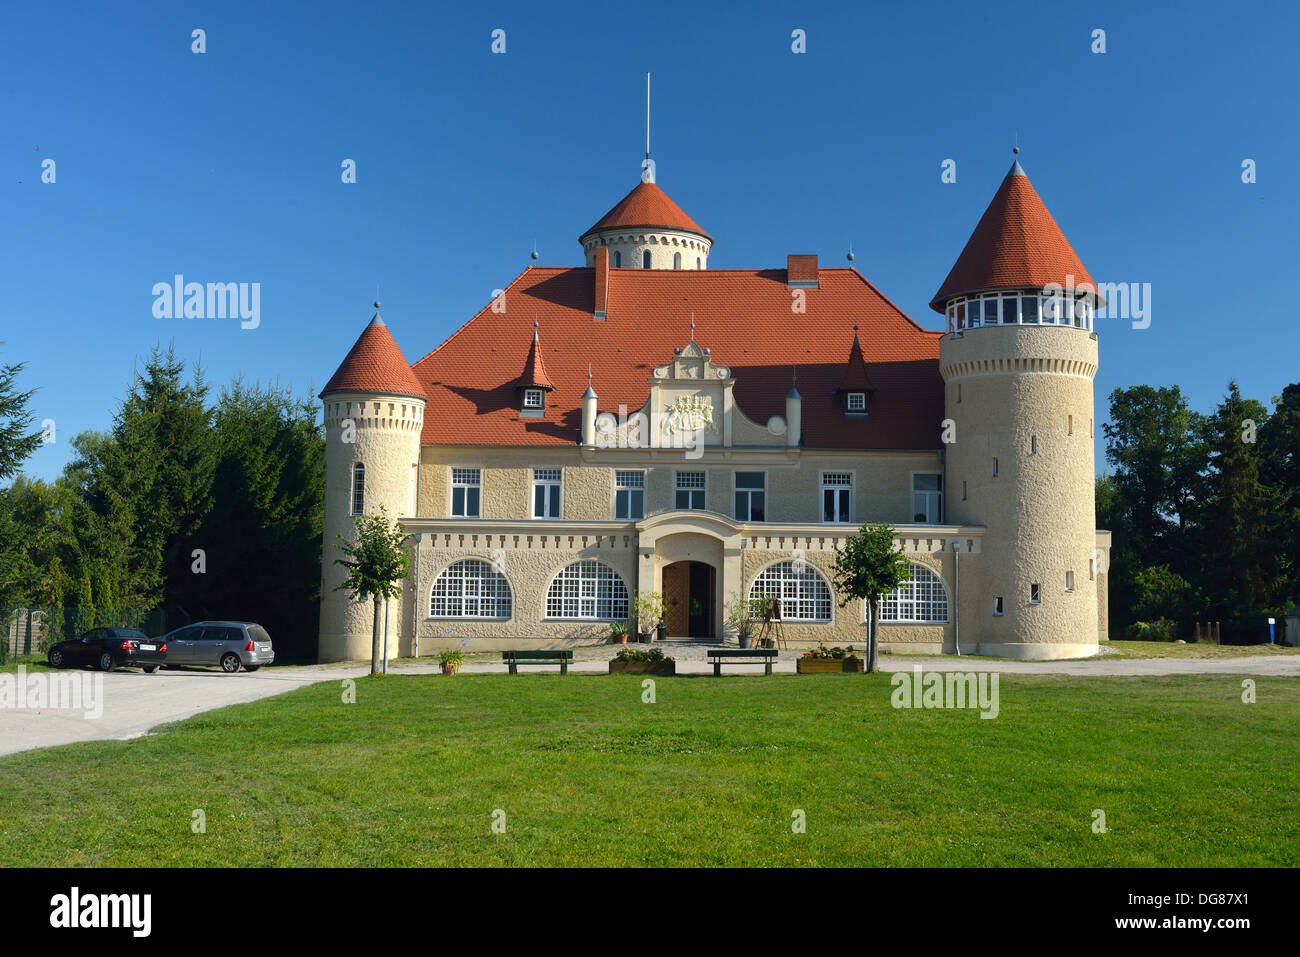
x: 647, y: 206
x: 375, y: 364
x: 534, y: 375
x: 1016, y: 244
x: 854, y: 378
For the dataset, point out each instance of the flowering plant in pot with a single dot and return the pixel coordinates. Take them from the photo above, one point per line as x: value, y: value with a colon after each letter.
x: 648, y: 610
x: 451, y: 661
x: 618, y: 632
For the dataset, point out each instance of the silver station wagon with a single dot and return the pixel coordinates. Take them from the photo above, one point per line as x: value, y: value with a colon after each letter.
x: 228, y: 644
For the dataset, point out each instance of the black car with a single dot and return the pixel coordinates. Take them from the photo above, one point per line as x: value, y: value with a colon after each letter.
x: 109, y: 648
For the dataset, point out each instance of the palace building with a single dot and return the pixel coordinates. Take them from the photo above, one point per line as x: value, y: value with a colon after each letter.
x: 645, y: 423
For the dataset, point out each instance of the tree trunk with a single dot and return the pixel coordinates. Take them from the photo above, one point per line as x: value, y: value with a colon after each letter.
x: 375, y: 640
x: 871, y: 641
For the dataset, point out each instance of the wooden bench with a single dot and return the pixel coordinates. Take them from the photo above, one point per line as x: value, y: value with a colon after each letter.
x: 718, y: 655
x: 516, y: 658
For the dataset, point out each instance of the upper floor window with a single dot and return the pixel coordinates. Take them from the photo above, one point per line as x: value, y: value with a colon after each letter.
x: 690, y: 490
x: 750, y: 494
x: 618, y: 259
x: 629, y: 495
x: 677, y: 260
x: 546, y: 493
x: 927, y: 498
x: 645, y: 259
x: 856, y: 402
x: 837, y: 497
x: 358, y: 488
x: 465, y: 489
x: 533, y: 398
x: 1030, y: 308
x: 697, y: 262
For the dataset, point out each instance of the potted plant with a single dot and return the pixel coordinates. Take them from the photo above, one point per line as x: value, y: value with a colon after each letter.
x: 648, y: 611
x: 822, y: 660
x: 632, y: 661
x: 745, y: 616
x: 451, y: 661
x: 618, y: 632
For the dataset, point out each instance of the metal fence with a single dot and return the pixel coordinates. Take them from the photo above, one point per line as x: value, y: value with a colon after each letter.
x: 31, y: 630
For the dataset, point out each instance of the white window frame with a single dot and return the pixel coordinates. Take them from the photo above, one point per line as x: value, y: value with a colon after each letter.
x: 928, y: 494
x: 837, y: 487
x: 855, y: 402
x: 587, y: 590
x: 460, y: 479
x: 749, y: 497
x: 793, y: 587
x: 1035, y: 593
x: 542, y: 478
x: 702, y: 489
x: 636, y: 478
x: 924, y: 591
x: 471, y: 583
x: 1069, y: 581
x: 534, y: 399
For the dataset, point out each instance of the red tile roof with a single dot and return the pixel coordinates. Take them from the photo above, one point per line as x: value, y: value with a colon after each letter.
x: 854, y: 377
x: 742, y: 315
x: 1016, y: 244
x: 534, y: 375
x: 647, y: 205
x: 374, y: 364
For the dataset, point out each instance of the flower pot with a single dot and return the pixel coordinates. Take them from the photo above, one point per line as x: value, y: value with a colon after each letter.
x: 643, y: 637
x: 828, y: 666
x: 746, y: 640
x: 450, y: 667
x: 662, y: 631
x: 617, y: 667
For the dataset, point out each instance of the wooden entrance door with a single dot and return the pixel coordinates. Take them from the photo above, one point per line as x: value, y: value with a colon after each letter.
x: 677, y: 599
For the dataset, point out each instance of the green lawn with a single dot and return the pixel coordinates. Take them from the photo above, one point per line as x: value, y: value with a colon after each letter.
x: 709, y: 775
x: 1167, y: 649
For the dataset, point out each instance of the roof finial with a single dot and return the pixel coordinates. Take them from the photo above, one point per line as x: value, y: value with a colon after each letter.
x: 692, y: 326
x: 589, y: 374
x: 647, y: 114
x: 534, y: 249
x: 849, y: 257
x: 535, y: 325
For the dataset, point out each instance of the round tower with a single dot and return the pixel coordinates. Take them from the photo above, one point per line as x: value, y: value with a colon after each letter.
x: 374, y: 412
x: 1018, y: 359
x: 647, y: 230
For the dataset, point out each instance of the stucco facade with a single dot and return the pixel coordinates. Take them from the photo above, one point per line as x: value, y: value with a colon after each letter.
x: 736, y: 465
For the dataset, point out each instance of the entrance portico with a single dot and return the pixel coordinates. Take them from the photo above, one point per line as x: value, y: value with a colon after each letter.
x: 692, y: 559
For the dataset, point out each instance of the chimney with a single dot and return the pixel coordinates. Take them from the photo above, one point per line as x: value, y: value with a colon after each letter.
x: 602, y: 281
x: 801, y: 272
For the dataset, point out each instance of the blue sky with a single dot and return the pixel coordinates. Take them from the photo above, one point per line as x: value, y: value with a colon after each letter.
x: 225, y: 166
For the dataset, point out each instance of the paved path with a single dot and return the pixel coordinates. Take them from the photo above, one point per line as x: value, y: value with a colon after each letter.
x: 134, y: 702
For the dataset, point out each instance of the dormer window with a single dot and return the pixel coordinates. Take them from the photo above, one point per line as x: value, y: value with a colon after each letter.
x: 534, y: 399
x: 855, y: 402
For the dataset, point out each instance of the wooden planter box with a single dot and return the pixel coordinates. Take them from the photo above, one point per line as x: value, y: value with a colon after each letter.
x: 617, y: 667
x: 829, y: 666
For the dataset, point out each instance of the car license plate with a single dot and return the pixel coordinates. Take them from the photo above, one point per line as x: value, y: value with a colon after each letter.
x: 148, y: 647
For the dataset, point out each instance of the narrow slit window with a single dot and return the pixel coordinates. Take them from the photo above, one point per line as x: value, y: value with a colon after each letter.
x: 1035, y: 593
